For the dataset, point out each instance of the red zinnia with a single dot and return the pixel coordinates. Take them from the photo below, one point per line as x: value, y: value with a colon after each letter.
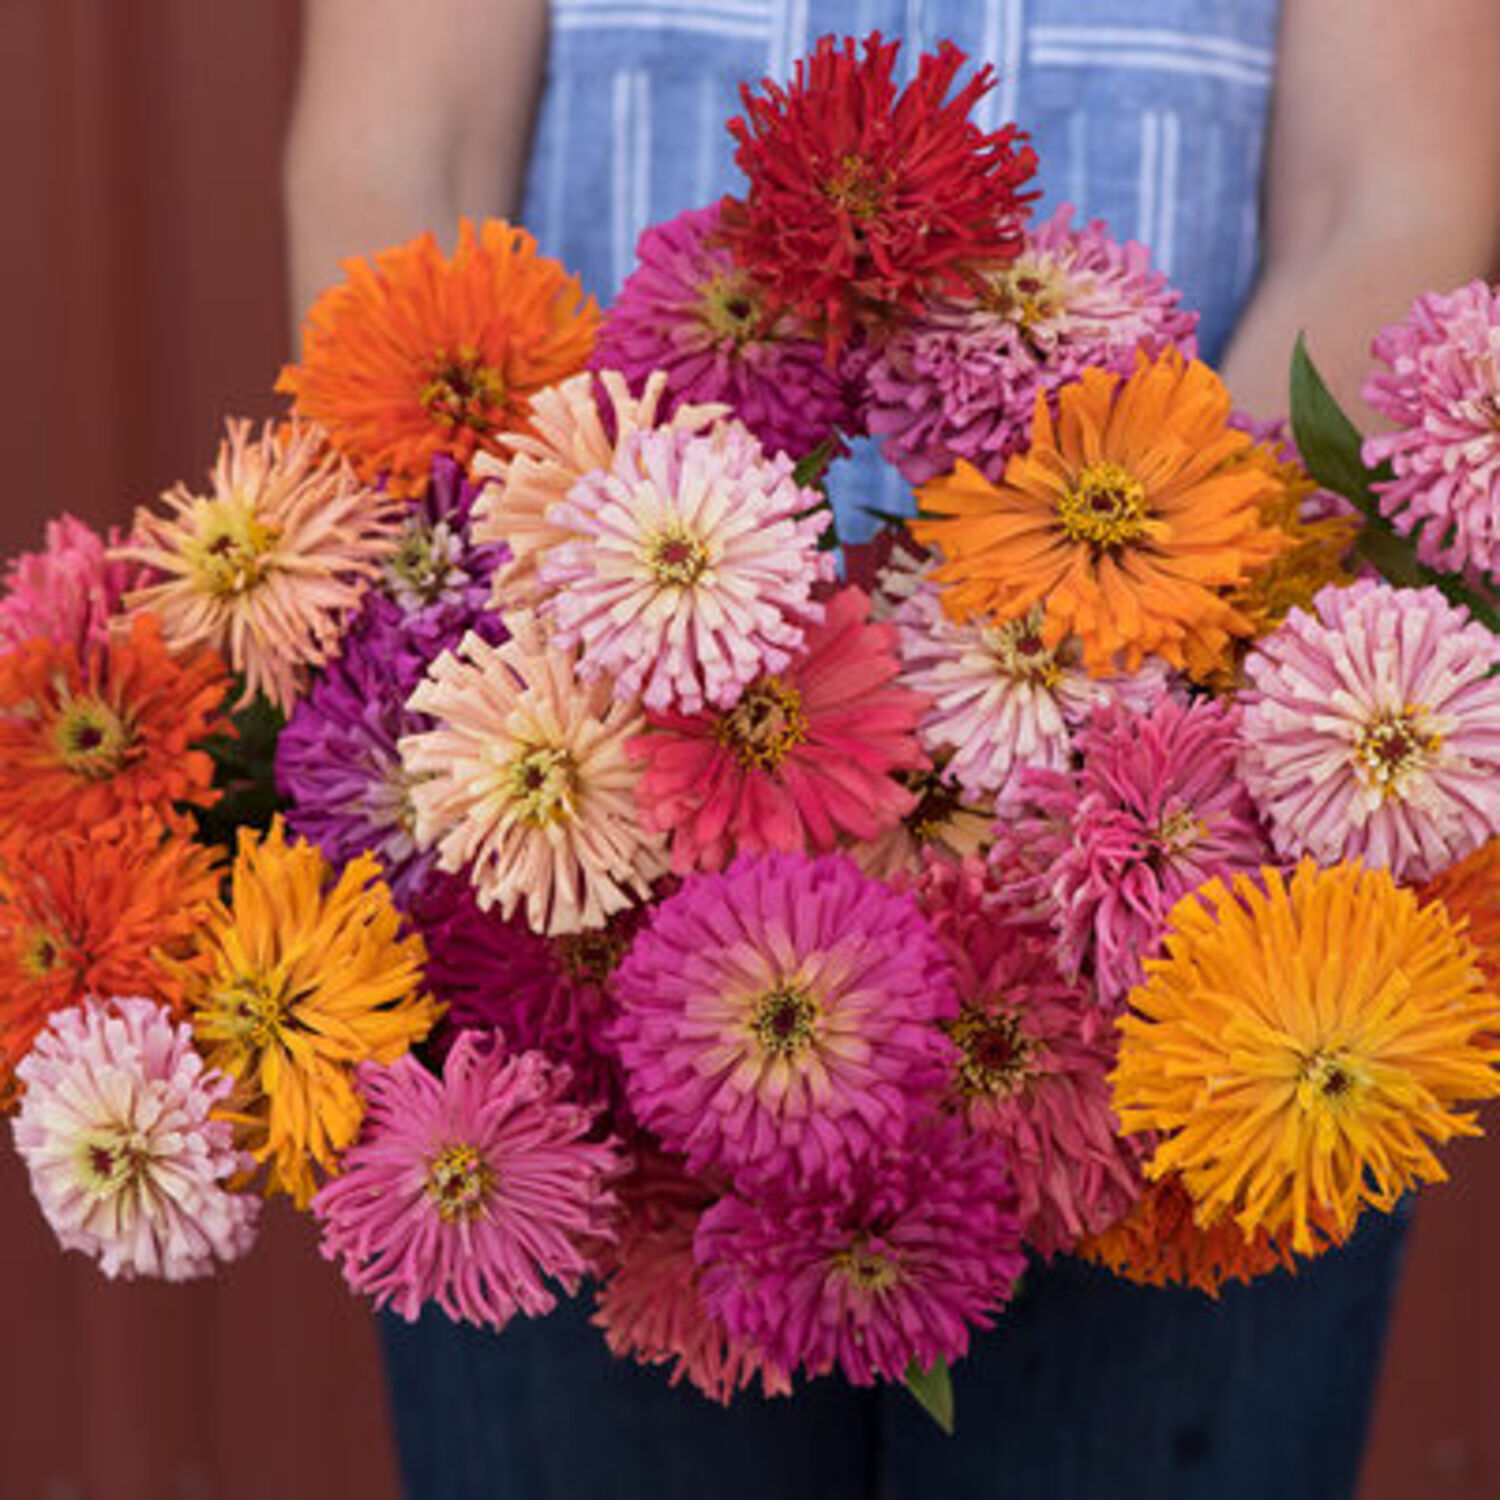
x: 861, y: 201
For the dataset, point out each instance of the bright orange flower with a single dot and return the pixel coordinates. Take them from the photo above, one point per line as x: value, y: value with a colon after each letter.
x: 1158, y: 1243
x: 109, y: 910
x: 81, y: 742
x: 1127, y: 520
x: 418, y: 354
x: 1471, y: 889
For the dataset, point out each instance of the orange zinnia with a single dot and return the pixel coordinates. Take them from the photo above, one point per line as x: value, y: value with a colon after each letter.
x: 97, y: 911
x: 85, y: 741
x: 418, y: 354
x: 1471, y: 890
x: 1126, y: 520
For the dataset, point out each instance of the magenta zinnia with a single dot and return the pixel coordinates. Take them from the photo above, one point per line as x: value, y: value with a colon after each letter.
x: 780, y: 1018
x: 472, y: 1190
x: 68, y: 593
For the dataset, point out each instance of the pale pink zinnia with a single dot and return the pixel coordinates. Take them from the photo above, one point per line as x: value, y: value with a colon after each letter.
x: 524, y: 782
x: 472, y: 1190
x: 780, y: 1018
x: 268, y: 565
x: 890, y: 1266
x: 998, y: 696
x: 1441, y: 390
x: 960, y: 380
x: 575, y: 427
x: 692, y: 570
x: 120, y: 1126
x: 650, y: 1308
x: 1035, y: 1056
x: 1156, y: 807
x: 803, y: 758
x: 67, y: 593
x: 1372, y: 730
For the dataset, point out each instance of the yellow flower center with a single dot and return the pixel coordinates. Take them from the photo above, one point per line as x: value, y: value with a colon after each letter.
x: 246, y: 1010
x: 542, y: 782
x: 857, y: 187
x: 1393, y: 747
x: 937, y: 802
x: 765, y: 726
x: 676, y: 558
x: 1330, y: 1074
x: 91, y: 739
x: 41, y: 953
x: 997, y: 1056
x: 424, y: 566
x: 783, y: 1021
x: 591, y: 955
x: 233, y: 551
x: 1021, y: 654
x: 111, y: 1162
x: 1179, y: 831
x: 459, y: 1180
x: 462, y: 391
x: 866, y: 1269
x: 731, y: 309
x: 1028, y: 293
x: 1105, y: 506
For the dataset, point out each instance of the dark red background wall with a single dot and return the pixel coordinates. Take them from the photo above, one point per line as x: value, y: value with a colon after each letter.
x: 142, y: 298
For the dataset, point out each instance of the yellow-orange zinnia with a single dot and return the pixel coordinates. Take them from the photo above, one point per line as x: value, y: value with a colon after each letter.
x: 307, y: 975
x: 1127, y: 519
x: 418, y: 353
x: 1302, y: 1045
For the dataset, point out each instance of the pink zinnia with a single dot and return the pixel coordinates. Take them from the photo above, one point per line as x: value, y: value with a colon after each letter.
x: 960, y: 380
x: 1441, y: 390
x: 889, y: 1266
x: 472, y: 1190
x: 650, y: 1308
x: 692, y: 569
x: 1372, y: 730
x: 1035, y: 1058
x: 689, y: 310
x: 779, y: 1018
x: 802, y: 759
x: 999, y: 697
x: 131, y: 1158
x: 67, y: 593
x: 1156, y: 808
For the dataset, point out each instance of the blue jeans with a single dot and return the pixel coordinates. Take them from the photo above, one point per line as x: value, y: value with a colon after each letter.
x: 1087, y: 1389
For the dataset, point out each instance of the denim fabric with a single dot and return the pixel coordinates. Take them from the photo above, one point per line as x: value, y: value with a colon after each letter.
x: 1087, y: 1389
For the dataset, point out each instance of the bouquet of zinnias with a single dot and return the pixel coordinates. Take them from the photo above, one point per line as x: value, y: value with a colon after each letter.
x: 495, y: 812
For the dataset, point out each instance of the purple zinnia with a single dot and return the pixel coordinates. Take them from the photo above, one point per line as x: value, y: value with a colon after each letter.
x: 472, y: 1190
x: 777, y: 1019
x: 1441, y: 390
x: 1156, y: 808
x: 690, y: 311
x: 888, y: 1267
x: 960, y: 380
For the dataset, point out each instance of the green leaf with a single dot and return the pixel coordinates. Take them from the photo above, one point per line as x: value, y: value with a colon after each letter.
x: 933, y: 1392
x: 244, y: 771
x: 812, y: 468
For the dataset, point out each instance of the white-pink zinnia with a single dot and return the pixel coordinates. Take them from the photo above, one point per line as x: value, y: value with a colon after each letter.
x: 127, y: 1160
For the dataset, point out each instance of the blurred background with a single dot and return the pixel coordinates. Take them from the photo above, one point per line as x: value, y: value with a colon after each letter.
x: 143, y: 298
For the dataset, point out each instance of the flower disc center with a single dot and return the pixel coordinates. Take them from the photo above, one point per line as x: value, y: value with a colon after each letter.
x: 462, y: 391
x: 1105, y: 506
x: 677, y: 558
x: 459, y: 1180
x: 867, y: 1269
x: 783, y: 1020
x: 1393, y: 747
x: 997, y: 1054
x: 765, y: 725
x: 542, y: 782
x: 730, y: 309
x: 92, y: 740
x: 425, y: 566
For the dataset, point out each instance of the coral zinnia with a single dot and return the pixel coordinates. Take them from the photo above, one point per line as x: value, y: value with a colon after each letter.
x: 800, y: 760
x: 689, y: 311
x: 1156, y: 808
x: 1441, y: 391
x: 691, y: 574
x: 128, y: 1156
x: 860, y: 202
x: 780, y: 1017
x: 418, y: 353
x: 267, y: 565
x: 1372, y: 730
x: 471, y: 1190
x: 82, y: 741
x: 650, y: 1309
x: 1125, y: 519
x: 1035, y: 1052
x: 525, y: 782
x: 69, y: 592
x: 306, y: 976
x: 892, y: 1265
x: 109, y: 909
x: 1302, y: 1045
x: 959, y: 380
x: 576, y: 427
x: 1471, y: 891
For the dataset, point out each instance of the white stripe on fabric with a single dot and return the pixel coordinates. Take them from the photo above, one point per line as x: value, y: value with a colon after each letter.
x: 1010, y: 59
x: 603, y: 18
x: 779, y: 48
x: 799, y: 42
x: 554, y: 194
x: 745, y: 10
x: 1143, y: 36
x: 619, y: 208
x: 640, y: 185
x: 1001, y: 43
x: 1150, y: 62
x: 1166, y: 229
x: 630, y: 167
x: 1078, y: 170
x: 913, y: 41
x: 710, y: 127
x: 1145, y: 182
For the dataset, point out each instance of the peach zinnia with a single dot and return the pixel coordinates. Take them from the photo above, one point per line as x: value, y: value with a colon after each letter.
x: 419, y: 353
x: 1127, y: 519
